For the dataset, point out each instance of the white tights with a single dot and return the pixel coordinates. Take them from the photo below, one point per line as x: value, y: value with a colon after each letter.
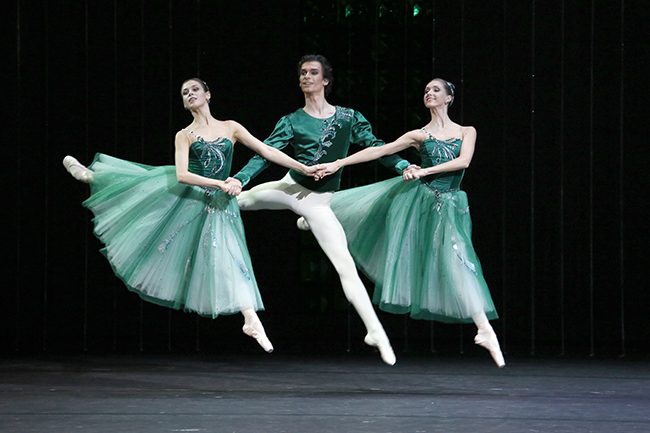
x: 315, y: 208
x: 480, y: 320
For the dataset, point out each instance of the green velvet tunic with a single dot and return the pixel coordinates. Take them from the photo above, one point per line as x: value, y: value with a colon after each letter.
x: 317, y: 141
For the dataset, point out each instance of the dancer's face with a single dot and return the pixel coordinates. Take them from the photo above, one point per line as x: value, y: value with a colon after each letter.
x: 193, y: 94
x: 435, y: 94
x: 311, y: 78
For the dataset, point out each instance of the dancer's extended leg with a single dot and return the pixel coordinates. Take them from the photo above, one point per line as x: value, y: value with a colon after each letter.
x: 281, y: 194
x: 331, y: 237
x: 315, y: 207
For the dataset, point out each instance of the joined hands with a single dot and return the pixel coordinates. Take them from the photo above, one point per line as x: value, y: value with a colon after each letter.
x: 410, y: 173
x: 234, y: 186
x: 231, y: 186
x: 326, y: 169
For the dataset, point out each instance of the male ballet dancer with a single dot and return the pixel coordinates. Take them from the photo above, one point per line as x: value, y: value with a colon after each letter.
x: 319, y: 133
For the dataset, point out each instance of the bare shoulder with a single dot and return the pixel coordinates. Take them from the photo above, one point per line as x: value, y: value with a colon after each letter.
x: 183, y: 137
x: 417, y: 135
x: 415, y: 138
x: 468, y: 133
x: 465, y: 130
x: 234, y: 129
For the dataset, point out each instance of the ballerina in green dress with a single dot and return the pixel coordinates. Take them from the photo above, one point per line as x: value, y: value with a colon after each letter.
x: 174, y: 234
x: 412, y: 235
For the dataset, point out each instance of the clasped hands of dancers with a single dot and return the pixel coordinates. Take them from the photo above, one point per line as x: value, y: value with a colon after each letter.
x: 171, y: 269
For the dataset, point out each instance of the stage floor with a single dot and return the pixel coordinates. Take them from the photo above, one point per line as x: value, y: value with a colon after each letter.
x: 346, y: 394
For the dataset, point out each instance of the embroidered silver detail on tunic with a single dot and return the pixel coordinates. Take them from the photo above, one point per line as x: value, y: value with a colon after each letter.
x: 328, y: 132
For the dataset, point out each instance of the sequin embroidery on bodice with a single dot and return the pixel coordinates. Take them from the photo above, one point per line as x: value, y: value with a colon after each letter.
x: 211, y: 158
x: 435, y: 151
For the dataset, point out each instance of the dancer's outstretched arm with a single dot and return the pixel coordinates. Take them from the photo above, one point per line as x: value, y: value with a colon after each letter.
x: 242, y: 135
x: 412, y: 138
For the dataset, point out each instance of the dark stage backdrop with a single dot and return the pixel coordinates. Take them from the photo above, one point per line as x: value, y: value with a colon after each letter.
x: 555, y: 89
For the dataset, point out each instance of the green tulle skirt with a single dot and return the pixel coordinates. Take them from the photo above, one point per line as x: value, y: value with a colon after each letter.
x: 415, y: 244
x: 175, y: 245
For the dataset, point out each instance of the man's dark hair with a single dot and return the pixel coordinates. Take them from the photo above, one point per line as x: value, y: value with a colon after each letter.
x: 328, y: 73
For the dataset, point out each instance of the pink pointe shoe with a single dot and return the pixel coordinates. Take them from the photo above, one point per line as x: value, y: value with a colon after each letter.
x: 488, y: 339
x: 256, y: 330
x: 78, y: 171
x: 381, y: 342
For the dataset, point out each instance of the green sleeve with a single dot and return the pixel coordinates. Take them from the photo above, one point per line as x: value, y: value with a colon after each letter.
x: 279, y: 138
x: 363, y: 136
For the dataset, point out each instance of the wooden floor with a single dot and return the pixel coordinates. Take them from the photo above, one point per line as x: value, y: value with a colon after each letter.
x: 344, y: 394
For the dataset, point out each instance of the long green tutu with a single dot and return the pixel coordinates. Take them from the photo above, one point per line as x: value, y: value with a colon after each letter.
x: 415, y: 244
x: 175, y: 245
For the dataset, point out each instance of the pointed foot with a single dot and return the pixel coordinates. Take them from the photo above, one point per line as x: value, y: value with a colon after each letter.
x: 380, y: 341
x: 77, y: 170
x: 487, y: 338
x: 256, y: 330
